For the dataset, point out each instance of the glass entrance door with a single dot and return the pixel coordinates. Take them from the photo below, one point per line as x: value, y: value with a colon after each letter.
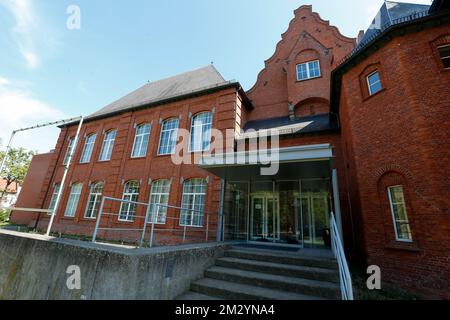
x: 265, y: 218
x: 315, y: 219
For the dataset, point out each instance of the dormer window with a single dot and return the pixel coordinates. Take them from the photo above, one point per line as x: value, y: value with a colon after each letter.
x: 444, y: 53
x: 308, y: 70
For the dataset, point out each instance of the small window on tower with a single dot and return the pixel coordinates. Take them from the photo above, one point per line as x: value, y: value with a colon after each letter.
x: 374, y: 83
x: 308, y: 70
x: 444, y: 52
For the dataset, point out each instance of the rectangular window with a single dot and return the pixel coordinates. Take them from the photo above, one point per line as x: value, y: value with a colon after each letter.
x: 68, y: 151
x: 194, y: 193
x: 159, y: 200
x: 308, y: 70
x: 54, y: 197
x: 444, y: 52
x: 201, y: 126
x: 399, y: 214
x: 169, y: 136
x: 128, y: 210
x: 95, y: 197
x: 374, y: 83
x: 88, y: 148
x: 74, y: 198
x: 141, y: 141
x: 108, y: 145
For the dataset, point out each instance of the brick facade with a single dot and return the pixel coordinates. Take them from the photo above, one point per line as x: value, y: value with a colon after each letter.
x: 398, y: 136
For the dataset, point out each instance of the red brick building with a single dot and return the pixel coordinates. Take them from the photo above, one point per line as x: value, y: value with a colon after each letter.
x: 363, y: 131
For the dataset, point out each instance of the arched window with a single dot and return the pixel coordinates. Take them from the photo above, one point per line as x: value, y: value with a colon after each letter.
x: 130, y: 193
x: 68, y: 151
x: 169, y: 135
x: 74, y: 198
x: 201, y: 132
x: 159, y: 200
x: 141, y: 141
x: 88, y: 148
x: 54, y: 197
x: 399, y: 213
x: 95, y: 197
x: 193, y: 203
x: 108, y: 145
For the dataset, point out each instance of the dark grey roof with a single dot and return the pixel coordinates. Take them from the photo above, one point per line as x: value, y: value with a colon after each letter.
x: 313, y: 124
x: 390, y: 13
x: 162, y: 90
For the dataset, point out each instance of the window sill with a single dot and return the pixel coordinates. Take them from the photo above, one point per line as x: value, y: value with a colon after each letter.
x: 403, y: 246
x: 299, y: 81
x: 374, y: 95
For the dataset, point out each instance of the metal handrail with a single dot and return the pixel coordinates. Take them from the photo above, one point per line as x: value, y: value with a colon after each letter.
x: 153, y: 221
x: 344, y: 272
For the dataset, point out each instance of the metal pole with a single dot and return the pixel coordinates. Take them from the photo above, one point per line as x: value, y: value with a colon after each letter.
x: 207, y: 226
x: 223, y: 228
x: 184, y: 234
x: 221, y: 206
x: 97, y: 225
x: 66, y: 170
x: 8, y: 148
x: 152, y: 233
x: 145, y: 229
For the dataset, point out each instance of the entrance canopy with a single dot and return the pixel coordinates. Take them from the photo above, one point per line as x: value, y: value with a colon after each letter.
x: 301, y: 162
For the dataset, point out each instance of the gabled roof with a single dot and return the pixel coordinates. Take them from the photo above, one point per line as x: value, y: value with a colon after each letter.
x: 13, y: 188
x: 389, y: 13
x: 163, y: 91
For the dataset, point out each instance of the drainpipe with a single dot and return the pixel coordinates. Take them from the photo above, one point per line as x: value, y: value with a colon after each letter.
x: 220, y: 224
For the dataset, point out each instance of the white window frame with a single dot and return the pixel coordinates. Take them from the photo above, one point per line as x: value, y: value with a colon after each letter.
x: 155, y: 199
x: 442, y: 58
x: 369, y: 86
x: 74, y: 200
x: 69, y: 150
x: 95, y: 197
x: 308, y: 70
x: 142, y: 145
x: 129, y: 196
x: 202, y: 135
x: 88, y: 149
x: 52, y: 203
x: 173, y: 132
x: 108, y: 145
x: 186, y: 210
x: 394, y: 218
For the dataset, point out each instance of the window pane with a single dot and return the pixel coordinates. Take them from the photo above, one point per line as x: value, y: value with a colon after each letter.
x: 88, y: 148
x: 54, y: 196
x: 169, y: 135
x: 374, y: 83
x: 314, y: 69
x: 446, y: 62
x: 159, y: 199
x: 201, y: 132
x: 74, y: 198
x: 141, y: 141
x: 444, y: 52
x: 399, y: 213
x: 94, y: 200
x: 69, y: 150
x: 193, y: 199
x: 108, y: 146
x: 131, y: 193
x: 302, y: 72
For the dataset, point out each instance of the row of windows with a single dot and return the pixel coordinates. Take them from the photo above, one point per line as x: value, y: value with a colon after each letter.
x: 200, y: 139
x: 192, y: 204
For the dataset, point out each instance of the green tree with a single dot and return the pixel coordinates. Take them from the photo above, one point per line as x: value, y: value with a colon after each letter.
x: 16, y: 167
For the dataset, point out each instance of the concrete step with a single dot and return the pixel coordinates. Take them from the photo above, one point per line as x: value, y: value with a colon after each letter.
x: 196, y: 296
x: 316, y: 288
x: 238, y: 291
x: 311, y: 273
x: 282, y: 258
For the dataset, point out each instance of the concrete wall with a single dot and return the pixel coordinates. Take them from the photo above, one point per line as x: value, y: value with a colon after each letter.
x: 34, y: 267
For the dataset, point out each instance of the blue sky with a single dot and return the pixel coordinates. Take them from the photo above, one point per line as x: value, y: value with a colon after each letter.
x: 49, y: 72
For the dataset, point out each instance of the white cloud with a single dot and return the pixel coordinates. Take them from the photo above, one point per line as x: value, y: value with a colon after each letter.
x: 19, y: 109
x: 32, y: 35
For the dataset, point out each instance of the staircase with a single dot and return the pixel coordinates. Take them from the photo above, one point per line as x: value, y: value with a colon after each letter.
x: 261, y: 274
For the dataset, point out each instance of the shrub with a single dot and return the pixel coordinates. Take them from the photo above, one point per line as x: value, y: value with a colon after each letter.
x: 4, y: 215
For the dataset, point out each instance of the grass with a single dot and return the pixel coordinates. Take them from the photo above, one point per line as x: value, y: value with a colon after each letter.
x: 361, y: 292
